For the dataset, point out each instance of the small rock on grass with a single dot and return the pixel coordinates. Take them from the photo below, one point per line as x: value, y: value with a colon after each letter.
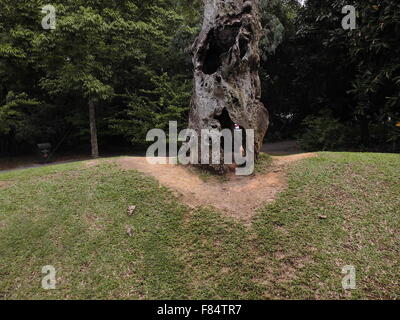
x: 321, y: 216
x: 131, y: 209
x: 130, y: 232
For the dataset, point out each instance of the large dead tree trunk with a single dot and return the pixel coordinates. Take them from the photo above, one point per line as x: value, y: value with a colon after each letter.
x: 226, y: 59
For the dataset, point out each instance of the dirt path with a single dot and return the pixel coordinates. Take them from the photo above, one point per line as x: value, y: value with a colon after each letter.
x: 238, y: 197
x: 26, y: 162
x: 282, y: 148
x: 4, y: 184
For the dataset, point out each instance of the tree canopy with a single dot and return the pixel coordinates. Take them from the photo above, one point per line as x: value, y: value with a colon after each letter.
x: 328, y: 87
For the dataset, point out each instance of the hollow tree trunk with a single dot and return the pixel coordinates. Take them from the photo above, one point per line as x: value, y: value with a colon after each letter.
x: 93, y: 130
x: 227, y: 88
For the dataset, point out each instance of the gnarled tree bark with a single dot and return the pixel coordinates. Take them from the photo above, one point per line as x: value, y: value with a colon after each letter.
x: 226, y: 59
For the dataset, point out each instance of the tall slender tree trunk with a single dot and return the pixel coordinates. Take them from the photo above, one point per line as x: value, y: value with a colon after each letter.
x: 93, y: 129
x: 365, y: 135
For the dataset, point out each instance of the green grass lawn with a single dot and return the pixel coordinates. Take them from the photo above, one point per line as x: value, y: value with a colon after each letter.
x: 74, y: 217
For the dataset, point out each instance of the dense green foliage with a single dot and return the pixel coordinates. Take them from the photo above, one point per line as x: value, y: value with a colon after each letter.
x: 132, y: 59
x: 127, y: 56
x: 355, y: 74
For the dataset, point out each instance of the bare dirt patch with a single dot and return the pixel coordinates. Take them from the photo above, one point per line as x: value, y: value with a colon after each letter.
x: 5, y: 184
x: 91, y: 163
x: 238, y: 197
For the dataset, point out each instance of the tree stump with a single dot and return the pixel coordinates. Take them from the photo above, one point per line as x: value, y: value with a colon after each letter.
x: 227, y: 88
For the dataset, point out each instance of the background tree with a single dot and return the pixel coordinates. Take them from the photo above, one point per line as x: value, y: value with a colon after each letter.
x: 77, y: 60
x: 349, y: 75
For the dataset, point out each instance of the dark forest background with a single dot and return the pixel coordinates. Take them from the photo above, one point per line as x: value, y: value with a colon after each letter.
x: 329, y: 88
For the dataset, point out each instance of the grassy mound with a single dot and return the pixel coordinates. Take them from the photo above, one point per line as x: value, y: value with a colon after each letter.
x: 339, y: 209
